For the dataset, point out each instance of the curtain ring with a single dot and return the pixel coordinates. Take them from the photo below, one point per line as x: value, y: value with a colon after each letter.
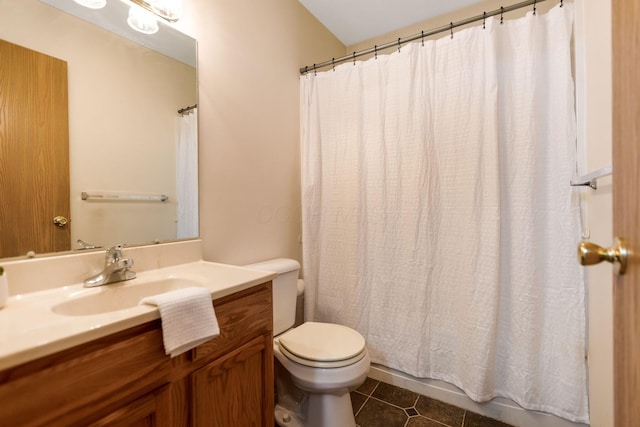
x: 354, y: 58
x: 561, y: 3
x: 315, y: 73
x: 484, y: 20
x: 306, y: 69
x: 534, y: 7
x: 451, y: 28
x: 375, y: 49
x: 422, y: 38
x: 399, y: 44
x: 501, y: 15
x: 333, y: 63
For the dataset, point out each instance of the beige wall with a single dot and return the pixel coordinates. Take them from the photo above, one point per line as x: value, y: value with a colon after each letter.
x: 249, y: 55
x: 594, y: 90
x: 114, y: 86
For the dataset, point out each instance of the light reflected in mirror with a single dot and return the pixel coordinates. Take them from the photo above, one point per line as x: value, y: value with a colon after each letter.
x: 125, y: 135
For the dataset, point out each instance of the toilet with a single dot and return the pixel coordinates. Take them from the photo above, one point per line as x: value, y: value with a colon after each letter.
x: 317, y: 364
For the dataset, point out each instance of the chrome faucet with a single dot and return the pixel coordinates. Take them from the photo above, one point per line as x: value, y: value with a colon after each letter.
x: 116, y: 269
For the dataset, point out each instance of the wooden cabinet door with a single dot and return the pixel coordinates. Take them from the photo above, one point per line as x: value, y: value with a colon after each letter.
x: 233, y: 390
x: 147, y: 411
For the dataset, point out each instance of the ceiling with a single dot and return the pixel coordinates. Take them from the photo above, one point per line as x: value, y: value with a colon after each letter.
x: 353, y: 21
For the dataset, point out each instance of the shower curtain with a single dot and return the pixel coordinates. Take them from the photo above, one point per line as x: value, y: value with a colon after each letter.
x: 187, y: 176
x: 438, y: 219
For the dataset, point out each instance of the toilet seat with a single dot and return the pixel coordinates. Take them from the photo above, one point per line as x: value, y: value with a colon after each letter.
x: 322, y: 345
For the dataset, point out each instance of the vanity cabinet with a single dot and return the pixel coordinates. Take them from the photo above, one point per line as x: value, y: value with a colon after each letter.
x: 238, y: 377
x: 126, y: 378
x: 147, y: 411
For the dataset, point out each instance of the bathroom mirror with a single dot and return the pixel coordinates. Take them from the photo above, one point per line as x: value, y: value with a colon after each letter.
x: 128, y: 145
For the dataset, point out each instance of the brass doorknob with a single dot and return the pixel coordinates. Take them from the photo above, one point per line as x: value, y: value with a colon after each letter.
x: 590, y: 253
x: 60, y: 221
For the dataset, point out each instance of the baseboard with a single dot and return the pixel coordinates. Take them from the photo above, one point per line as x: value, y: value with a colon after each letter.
x: 501, y: 409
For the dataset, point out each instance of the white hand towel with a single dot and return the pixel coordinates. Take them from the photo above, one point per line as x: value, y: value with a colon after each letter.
x: 188, y: 318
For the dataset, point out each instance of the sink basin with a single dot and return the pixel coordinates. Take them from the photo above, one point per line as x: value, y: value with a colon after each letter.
x: 118, y: 296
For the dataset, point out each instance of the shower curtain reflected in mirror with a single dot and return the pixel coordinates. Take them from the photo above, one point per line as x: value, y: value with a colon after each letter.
x: 187, y: 175
x: 438, y: 219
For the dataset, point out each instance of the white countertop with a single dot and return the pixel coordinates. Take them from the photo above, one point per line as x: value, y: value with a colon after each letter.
x: 30, y: 329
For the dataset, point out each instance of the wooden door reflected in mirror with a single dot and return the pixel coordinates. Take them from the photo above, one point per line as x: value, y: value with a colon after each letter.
x: 34, y: 152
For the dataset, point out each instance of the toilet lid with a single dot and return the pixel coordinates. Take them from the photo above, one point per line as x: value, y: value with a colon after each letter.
x: 322, y: 345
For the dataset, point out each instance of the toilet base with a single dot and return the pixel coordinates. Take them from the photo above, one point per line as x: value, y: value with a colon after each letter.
x: 330, y: 410
x: 300, y: 408
x: 323, y: 410
x: 285, y: 418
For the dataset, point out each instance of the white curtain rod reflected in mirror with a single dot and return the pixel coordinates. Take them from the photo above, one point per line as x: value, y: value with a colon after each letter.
x: 187, y: 110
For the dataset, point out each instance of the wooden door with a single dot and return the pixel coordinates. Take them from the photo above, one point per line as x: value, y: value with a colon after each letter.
x: 231, y: 390
x: 626, y: 208
x: 34, y: 152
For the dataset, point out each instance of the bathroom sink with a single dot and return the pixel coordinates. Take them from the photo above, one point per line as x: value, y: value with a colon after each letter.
x: 118, y: 296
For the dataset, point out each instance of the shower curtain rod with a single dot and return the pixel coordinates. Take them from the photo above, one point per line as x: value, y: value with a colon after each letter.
x: 422, y: 35
x: 187, y: 110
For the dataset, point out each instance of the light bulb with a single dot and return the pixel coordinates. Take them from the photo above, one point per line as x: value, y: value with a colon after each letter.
x: 92, y: 4
x: 169, y: 9
x: 142, y: 20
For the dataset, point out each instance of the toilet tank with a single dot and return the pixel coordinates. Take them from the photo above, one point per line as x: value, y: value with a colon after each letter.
x: 285, y: 290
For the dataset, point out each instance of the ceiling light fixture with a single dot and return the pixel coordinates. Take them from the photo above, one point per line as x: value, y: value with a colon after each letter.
x: 142, y: 20
x: 143, y: 13
x: 169, y: 10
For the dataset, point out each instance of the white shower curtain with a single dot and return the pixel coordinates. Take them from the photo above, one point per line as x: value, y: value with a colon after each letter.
x: 187, y: 176
x: 438, y: 219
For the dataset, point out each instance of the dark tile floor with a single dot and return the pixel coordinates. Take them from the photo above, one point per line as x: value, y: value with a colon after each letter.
x: 377, y: 404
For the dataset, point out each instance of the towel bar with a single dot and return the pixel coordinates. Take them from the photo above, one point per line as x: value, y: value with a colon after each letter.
x: 591, y: 179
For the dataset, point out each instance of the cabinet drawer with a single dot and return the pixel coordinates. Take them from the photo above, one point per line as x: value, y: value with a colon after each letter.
x: 66, y: 388
x: 240, y: 318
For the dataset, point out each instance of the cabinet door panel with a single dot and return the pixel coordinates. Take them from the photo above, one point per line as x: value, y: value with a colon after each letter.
x: 144, y: 412
x: 230, y: 390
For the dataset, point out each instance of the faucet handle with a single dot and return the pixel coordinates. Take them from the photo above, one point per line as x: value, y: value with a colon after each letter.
x: 86, y: 245
x: 114, y: 254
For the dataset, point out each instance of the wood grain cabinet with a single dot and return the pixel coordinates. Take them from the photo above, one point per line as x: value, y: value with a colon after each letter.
x: 238, y: 377
x: 126, y: 379
x: 147, y: 411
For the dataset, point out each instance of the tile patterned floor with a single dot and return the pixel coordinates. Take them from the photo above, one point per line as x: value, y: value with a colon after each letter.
x: 377, y: 404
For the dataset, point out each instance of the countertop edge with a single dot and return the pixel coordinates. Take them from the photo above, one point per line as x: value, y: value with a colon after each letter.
x: 13, y: 359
